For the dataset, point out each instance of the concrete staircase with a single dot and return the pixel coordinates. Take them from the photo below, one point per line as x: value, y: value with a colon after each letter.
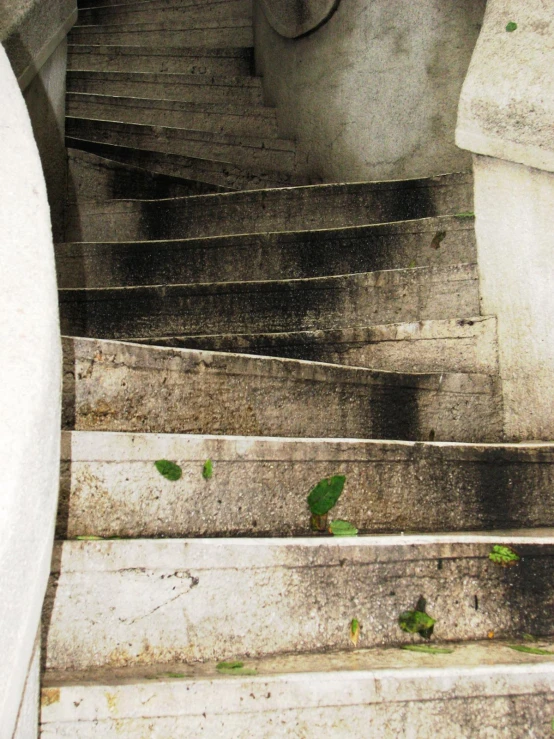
x: 217, y: 308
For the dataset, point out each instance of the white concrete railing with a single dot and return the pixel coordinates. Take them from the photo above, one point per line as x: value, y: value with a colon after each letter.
x: 30, y: 392
x: 506, y: 119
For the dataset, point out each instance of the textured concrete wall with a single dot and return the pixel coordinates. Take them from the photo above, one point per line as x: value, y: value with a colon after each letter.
x: 27, y: 720
x: 30, y: 377
x: 373, y: 93
x: 515, y: 244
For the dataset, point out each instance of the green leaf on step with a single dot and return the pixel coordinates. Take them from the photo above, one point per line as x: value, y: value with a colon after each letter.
x: 234, y: 668
x: 169, y: 470
x: 417, y: 622
x: 355, y: 631
x: 207, y: 469
x: 552, y: 726
x: 530, y: 637
x: 427, y: 648
x: 465, y: 214
x: 342, y: 528
x: 529, y: 650
x: 504, y: 556
x: 325, y: 495
x: 438, y: 238
x: 511, y: 27
x: 174, y: 674
x: 89, y: 538
x: 412, y: 264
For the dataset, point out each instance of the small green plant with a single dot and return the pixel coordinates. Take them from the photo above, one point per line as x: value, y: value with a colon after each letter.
x: 465, y: 214
x: 207, y: 469
x: 322, y: 498
x: 234, y: 668
x: 504, y: 556
x: 169, y: 470
x: 342, y: 528
x: 354, y: 631
x: 427, y: 648
x: 89, y: 538
x: 529, y: 650
x: 417, y: 621
x: 511, y: 27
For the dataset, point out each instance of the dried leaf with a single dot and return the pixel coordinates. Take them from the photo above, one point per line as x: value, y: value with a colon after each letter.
x: 428, y: 649
x: 354, y: 631
x: 438, y: 238
x: 342, y: 528
x: 504, y: 556
x: 207, y: 469
x: 325, y: 495
x: 169, y: 470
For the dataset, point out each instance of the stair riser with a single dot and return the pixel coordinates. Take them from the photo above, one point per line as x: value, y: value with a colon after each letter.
x: 158, y: 60
x: 209, y: 172
x: 122, y: 387
x: 271, y: 154
x: 80, y: 106
x: 92, y: 178
x: 194, y: 92
x: 122, y: 603
x: 110, y: 487
x: 302, y: 209
x: 252, y: 257
x: 233, y: 37
x: 426, y: 346
x: 325, y: 303
x: 156, y: 13
x: 446, y: 704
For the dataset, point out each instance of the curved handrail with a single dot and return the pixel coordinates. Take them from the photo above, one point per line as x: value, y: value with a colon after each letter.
x: 30, y: 393
x: 295, y: 18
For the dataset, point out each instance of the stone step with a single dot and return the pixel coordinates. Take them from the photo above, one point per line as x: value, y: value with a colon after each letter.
x: 110, y: 486
x: 228, y: 62
x: 255, y: 121
x: 117, y: 386
x: 455, y: 345
x: 207, y: 171
x: 480, y: 689
x: 245, y: 151
x: 342, y: 301
x: 281, y: 209
x: 162, y: 11
x: 120, y: 4
x: 139, y: 602
x: 182, y: 87
x: 94, y: 178
x: 233, y: 33
x: 262, y: 256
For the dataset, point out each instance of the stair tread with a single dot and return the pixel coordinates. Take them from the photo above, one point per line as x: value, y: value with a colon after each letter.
x: 501, y: 485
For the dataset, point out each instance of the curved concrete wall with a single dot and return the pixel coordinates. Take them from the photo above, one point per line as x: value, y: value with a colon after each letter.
x: 30, y: 379
x: 373, y: 94
x: 506, y: 119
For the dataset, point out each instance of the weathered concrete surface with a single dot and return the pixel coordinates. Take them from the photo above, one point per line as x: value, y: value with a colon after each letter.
x: 118, y: 603
x: 110, y: 486
x: 231, y: 119
x: 515, y: 206
x: 280, y: 209
x: 94, y: 178
x: 390, y: 693
x: 262, y: 256
x: 208, y: 171
x: 373, y: 94
x: 294, y: 18
x: 341, y: 301
x: 185, y: 87
x: 29, y: 394
x: 29, y: 710
x: 212, y: 33
x: 242, y: 150
x: 507, y: 103
x: 113, y: 386
x: 157, y: 59
x: 455, y: 345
